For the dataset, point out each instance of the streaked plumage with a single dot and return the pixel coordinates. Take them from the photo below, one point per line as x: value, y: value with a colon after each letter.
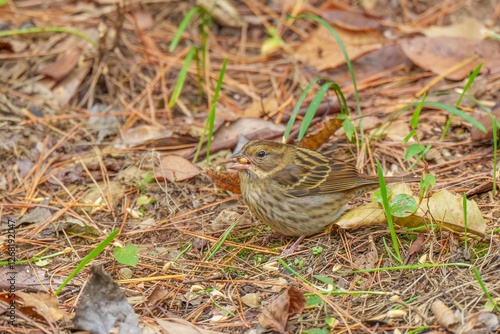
x: 297, y: 191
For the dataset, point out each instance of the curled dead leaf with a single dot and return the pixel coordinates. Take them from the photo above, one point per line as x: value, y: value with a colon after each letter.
x: 45, y: 305
x: 224, y: 180
x: 276, y: 315
x: 314, y: 140
x: 417, y: 246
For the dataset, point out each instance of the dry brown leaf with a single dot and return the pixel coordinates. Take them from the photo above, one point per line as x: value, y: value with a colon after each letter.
x: 223, y: 11
x: 262, y: 107
x: 250, y: 299
x: 397, y: 131
x: 67, y: 88
x: 487, y: 122
x: 440, y: 54
x: 469, y: 28
x: 291, y: 6
x: 371, y: 65
x: 45, y: 305
x: 224, y: 180
x: 61, y: 67
x: 28, y: 277
x: 176, y: 169
x: 176, y: 325
x: 38, y: 214
x: 349, y: 20
x: 148, y: 136
x: 159, y: 293
x: 321, y: 50
x: 246, y: 127
x: 417, y: 246
x: 297, y: 300
x: 142, y: 133
x: 276, y: 315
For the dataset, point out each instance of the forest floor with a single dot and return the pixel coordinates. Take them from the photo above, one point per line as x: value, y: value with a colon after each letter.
x: 95, y: 137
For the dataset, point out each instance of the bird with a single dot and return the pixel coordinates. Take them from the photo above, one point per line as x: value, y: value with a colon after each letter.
x: 297, y: 191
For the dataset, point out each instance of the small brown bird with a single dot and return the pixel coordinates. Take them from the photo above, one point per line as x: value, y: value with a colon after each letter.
x: 297, y: 191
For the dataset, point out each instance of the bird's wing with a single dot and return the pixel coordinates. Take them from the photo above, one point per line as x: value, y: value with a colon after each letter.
x: 314, y: 174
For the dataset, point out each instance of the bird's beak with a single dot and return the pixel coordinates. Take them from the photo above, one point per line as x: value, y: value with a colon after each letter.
x: 241, y: 162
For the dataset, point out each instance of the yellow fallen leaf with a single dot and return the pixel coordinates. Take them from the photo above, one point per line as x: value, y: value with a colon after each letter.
x: 447, y: 209
x: 442, y: 208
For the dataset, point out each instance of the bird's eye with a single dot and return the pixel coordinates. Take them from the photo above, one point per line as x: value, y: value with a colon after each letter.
x: 261, y: 154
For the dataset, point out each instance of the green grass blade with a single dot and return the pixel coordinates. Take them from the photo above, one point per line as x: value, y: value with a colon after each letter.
x: 297, y: 108
x: 389, y: 250
x: 469, y: 83
x: 41, y: 30
x: 311, y: 111
x: 456, y: 112
x: 209, y: 125
x: 387, y: 210
x: 313, y: 107
x: 416, y: 114
x: 484, y: 288
x: 221, y: 240
x: 347, y: 60
x: 90, y: 256
x: 34, y: 259
x: 182, y: 77
x: 420, y: 157
x: 182, y: 27
x: 211, y: 115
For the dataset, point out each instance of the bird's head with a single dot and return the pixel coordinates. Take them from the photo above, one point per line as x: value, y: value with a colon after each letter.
x: 262, y: 157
